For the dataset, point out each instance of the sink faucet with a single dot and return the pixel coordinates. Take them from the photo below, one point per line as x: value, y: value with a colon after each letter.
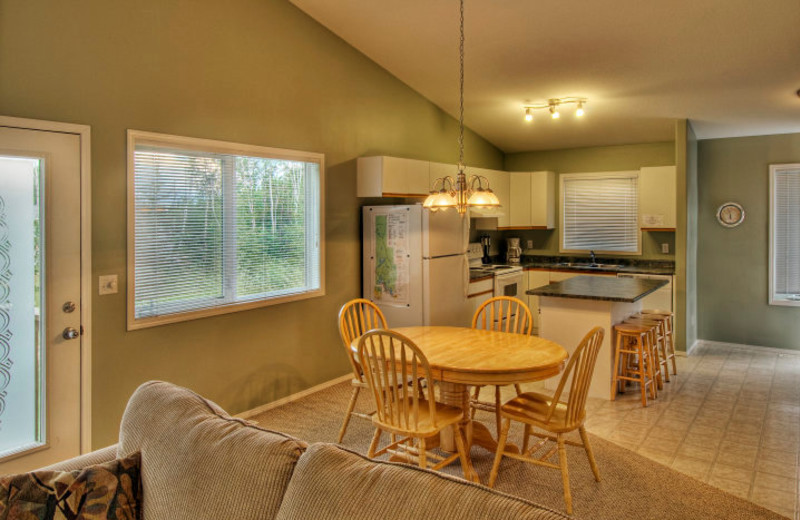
x: 591, y: 253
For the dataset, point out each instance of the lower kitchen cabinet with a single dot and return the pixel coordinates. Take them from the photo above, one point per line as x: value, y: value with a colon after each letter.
x: 479, y: 292
x: 535, y: 279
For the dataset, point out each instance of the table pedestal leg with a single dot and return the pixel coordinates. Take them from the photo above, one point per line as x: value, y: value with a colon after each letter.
x: 457, y: 395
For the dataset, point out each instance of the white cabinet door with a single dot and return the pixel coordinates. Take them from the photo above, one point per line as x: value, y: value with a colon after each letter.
x: 543, y: 200
x: 383, y: 176
x: 536, y: 279
x: 520, y: 199
x: 657, y: 200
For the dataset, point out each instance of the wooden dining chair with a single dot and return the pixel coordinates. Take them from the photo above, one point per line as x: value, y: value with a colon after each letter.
x: 501, y: 314
x: 408, y: 412
x: 355, y: 318
x: 554, y: 416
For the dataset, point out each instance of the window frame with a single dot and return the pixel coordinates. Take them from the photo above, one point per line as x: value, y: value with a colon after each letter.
x: 222, y: 147
x: 773, y: 169
x: 627, y: 174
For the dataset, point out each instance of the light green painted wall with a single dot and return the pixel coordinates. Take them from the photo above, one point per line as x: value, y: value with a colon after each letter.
x: 250, y: 71
x: 733, y: 264
x: 593, y: 159
x: 685, y: 286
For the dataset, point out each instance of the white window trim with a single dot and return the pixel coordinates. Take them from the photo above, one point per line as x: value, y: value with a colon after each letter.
x: 597, y: 175
x: 773, y: 168
x: 209, y: 145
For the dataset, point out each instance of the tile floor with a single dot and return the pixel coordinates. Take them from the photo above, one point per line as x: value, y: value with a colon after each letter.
x: 730, y: 418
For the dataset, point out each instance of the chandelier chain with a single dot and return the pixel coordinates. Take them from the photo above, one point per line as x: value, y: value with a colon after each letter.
x: 461, y: 92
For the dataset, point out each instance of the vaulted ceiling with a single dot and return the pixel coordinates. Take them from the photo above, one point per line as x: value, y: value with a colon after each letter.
x: 730, y: 66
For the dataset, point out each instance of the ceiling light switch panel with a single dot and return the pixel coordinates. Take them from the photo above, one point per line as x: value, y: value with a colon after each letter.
x: 665, y: 248
x: 108, y: 284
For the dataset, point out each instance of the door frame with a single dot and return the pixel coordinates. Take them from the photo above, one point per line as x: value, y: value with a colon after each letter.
x: 84, y: 134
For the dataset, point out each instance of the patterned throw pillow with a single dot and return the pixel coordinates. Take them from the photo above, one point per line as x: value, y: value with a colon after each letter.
x: 111, y: 490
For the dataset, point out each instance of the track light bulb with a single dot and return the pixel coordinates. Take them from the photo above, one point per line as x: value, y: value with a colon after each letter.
x: 579, y: 111
x: 554, y: 112
x: 528, y: 115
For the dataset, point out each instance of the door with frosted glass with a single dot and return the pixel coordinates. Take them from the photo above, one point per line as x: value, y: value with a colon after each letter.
x: 40, y: 329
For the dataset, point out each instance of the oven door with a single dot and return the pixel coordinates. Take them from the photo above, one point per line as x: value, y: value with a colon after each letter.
x: 508, y: 285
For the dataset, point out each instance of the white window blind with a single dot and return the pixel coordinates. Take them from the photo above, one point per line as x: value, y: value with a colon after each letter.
x: 785, y: 236
x: 599, y: 212
x: 214, y: 230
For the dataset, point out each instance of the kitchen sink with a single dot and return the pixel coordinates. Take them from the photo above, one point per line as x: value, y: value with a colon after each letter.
x: 587, y: 265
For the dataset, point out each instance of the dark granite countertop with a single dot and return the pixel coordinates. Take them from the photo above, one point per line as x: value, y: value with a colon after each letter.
x: 600, y: 288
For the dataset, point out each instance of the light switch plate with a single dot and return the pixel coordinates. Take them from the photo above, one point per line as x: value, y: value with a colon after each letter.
x: 529, y: 244
x: 665, y: 248
x: 108, y: 284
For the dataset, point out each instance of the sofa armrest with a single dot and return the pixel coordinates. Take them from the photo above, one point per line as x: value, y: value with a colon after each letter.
x: 87, y: 459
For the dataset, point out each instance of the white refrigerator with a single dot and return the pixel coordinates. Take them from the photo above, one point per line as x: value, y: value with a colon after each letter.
x: 415, y: 266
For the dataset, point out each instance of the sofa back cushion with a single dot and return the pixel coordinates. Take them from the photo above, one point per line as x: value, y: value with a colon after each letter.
x: 198, y: 463
x: 356, y: 487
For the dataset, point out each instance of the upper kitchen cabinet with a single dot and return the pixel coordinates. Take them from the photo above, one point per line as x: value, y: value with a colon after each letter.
x: 383, y: 176
x: 532, y: 200
x: 494, y: 218
x: 657, y: 203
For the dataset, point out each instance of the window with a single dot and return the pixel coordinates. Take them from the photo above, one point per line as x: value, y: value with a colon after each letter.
x: 215, y: 227
x: 784, y: 243
x: 600, y: 212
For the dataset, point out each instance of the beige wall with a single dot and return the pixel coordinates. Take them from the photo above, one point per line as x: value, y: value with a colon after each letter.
x: 686, y: 236
x: 594, y: 159
x: 250, y: 71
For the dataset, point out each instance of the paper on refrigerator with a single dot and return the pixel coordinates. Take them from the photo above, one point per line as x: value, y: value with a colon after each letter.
x: 391, y: 258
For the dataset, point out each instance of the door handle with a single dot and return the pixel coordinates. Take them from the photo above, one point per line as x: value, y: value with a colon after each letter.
x: 70, y: 333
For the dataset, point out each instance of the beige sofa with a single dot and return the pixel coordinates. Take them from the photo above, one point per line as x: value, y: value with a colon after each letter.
x: 200, y: 463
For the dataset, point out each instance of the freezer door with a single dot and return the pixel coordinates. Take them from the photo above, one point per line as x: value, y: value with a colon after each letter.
x: 445, y: 286
x: 444, y: 233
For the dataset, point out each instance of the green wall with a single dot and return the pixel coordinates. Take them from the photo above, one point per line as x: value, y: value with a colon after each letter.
x: 593, y: 159
x: 250, y: 71
x: 733, y: 264
x: 686, y: 237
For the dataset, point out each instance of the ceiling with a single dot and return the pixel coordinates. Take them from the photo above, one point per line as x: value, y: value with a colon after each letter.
x: 730, y: 66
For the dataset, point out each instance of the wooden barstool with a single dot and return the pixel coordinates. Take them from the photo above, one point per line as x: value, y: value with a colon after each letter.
x: 669, y: 324
x: 633, y: 340
x: 658, y: 342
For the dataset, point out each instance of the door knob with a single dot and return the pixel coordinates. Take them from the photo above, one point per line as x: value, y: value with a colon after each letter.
x: 70, y: 333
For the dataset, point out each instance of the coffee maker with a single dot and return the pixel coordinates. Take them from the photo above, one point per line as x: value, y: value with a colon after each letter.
x: 486, y: 242
x: 514, y: 251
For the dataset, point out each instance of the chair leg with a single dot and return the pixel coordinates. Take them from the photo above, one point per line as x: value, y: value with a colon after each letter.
x: 350, y: 408
x: 615, y: 373
x: 589, y: 453
x: 562, y: 462
x: 642, y: 372
x: 466, y: 467
x: 498, y: 402
x: 476, y: 396
x: 374, y: 444
x: 501, y: 446
x: 526, y: 437
x: 423, y: 454
x: 518, y: 388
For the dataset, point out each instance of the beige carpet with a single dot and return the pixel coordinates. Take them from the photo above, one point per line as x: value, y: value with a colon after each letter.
x: 633, y: 487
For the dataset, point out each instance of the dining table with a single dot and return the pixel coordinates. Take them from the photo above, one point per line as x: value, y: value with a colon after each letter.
x: 461, y: 357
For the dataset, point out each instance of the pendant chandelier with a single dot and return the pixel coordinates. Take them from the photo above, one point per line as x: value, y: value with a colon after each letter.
x: 461, y: 193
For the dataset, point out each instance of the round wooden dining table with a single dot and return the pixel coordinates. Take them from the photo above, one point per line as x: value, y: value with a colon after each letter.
x: 461, y: 357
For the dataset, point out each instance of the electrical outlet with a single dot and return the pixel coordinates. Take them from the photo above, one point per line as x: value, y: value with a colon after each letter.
x: 665, y: 248
x: 107, y: 284
x: 529, y: 243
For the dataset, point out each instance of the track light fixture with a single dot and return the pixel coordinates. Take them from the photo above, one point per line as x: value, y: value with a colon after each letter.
x: 553, y: 104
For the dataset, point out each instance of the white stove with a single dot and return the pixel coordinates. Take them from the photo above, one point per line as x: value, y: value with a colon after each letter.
x: 507, y: 278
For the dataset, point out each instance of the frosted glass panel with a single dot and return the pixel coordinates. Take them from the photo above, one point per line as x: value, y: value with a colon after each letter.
x: 21, y: 295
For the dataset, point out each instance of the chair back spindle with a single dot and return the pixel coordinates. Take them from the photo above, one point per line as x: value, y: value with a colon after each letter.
x: 503, y: 314
x: 393, y: 366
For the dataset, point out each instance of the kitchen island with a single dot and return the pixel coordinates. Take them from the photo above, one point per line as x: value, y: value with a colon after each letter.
x: 571, y: 308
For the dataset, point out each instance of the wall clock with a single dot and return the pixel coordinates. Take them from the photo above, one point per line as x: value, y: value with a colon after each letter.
x: 730, y: 214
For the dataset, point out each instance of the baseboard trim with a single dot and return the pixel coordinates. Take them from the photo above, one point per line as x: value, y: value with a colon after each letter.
x: 294, y: 397
x: 692, y: 348
x: 745, y: 347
